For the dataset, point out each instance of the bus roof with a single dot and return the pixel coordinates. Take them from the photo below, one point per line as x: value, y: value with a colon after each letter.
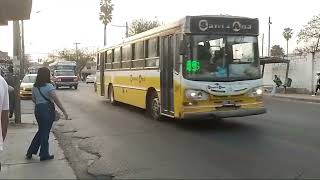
x: 212, y: 23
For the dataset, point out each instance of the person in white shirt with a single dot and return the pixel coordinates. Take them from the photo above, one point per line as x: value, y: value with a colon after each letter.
x: 4, y: 110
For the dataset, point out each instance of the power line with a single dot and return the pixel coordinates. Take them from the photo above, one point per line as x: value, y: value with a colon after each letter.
x: 125, y: 26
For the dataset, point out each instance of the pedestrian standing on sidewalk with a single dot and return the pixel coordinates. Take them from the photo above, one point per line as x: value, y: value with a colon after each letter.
x: 4, y: 111
x: 10, y: 81
x: 318, y: 83
x: 44, y: 96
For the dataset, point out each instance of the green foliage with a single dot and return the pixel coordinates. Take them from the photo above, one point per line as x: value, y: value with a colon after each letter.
x: 106, y: 8
x: 310, y: 35
x: 287, y: 33
x: 81, y: 58
x: 277, y: 51
x: 142, y: 25
x: 26, y: 64
x: 46, y: 63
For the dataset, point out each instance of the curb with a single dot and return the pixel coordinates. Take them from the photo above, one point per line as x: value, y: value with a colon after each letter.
x: 295, y: 98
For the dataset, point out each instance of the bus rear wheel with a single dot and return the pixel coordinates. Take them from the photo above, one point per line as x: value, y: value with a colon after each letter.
x: 154, y: 106
x: 111, y: 95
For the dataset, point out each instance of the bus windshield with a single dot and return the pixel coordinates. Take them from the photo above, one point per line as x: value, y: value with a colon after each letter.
x: 222, y: 58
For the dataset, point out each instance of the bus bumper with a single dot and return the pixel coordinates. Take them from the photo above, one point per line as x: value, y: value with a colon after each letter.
x: 224, y: 114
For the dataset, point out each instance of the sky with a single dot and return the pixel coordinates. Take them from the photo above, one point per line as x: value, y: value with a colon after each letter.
x: 58, y: 24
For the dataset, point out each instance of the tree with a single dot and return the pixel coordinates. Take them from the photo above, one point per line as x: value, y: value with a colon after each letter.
x: 27, y: 64
x: 310, y: 34
x: 277, y: 51
x: 141, y: 25
x: 84, y: 56
x: 287, y: 34
x: 105, y: 16
x: 47, y: 62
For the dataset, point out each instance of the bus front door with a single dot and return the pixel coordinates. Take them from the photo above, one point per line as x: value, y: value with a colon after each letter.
x: 166, y: 75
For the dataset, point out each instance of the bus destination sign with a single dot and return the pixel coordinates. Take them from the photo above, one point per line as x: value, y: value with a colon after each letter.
x: 224, y: 25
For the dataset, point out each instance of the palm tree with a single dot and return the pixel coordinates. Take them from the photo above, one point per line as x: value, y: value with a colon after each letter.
x: 287, y: 34
x: 105, y: 15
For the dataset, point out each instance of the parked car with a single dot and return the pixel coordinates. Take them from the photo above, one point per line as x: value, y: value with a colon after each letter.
x: 91, y: 79
x: 27, y: 85
x: 65, y: 78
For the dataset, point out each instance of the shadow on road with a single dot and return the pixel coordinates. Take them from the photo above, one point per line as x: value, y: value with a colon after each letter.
x: 200, y: 125
x: 218, y: 125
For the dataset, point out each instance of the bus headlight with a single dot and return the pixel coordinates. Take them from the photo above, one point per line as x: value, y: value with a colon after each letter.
x: 196, y: 95
x: 254, y: 92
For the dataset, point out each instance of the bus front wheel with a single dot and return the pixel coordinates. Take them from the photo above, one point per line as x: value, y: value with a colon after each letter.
x: 154, y: 106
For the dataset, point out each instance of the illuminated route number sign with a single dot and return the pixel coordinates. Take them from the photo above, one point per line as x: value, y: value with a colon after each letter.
x: 192, y: 66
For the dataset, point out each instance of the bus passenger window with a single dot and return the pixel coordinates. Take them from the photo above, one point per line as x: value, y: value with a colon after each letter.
x: 117, y: 58
x: 152, y: 53
x: 139, y: 61
x: 126, y: 56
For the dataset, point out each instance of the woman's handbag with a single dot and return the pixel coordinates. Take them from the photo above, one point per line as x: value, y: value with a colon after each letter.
x: 57, y: 115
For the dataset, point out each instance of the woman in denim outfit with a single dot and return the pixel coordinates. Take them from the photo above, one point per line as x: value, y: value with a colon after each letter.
x: 44, y: 97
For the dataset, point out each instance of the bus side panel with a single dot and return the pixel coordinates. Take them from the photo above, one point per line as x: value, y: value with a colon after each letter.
x: 120, y: 81
x: 135, y: 97
x: 124, y: 91
x: 178, y: 98
x: 141, y: 81
x: 131, y: 87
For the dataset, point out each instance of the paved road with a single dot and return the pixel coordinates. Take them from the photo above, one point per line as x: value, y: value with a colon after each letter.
x: 281, y: 144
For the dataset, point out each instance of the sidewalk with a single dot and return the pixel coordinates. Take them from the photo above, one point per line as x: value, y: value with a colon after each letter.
x: 298, y: 97
x: 14, y: 164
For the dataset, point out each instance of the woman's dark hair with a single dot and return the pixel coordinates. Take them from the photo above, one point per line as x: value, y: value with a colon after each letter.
x: 43, y: 77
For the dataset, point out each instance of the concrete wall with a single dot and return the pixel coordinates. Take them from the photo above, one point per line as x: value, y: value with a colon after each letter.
x: 302, y: 71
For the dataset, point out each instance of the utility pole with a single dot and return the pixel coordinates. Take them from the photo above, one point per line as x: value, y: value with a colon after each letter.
x: 127, y: 30
x: 77, y: 57
x: 262, y: 45
x: 126, y: 26
x: 105, y: 35
x: 16, y: 68
x: 269, y: 23
x: 22, y: 67
x: 77, y: 50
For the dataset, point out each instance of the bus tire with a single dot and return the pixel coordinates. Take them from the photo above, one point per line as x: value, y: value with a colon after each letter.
x: 57, y: 87
x: 111, y: 95
x: 154, y: 106
x: 76, y: 87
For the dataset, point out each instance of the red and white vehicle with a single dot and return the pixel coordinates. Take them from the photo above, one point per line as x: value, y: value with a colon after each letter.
x: 65, y: 78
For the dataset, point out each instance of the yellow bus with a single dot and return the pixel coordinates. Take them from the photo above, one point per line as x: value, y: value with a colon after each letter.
x: 198, y: 67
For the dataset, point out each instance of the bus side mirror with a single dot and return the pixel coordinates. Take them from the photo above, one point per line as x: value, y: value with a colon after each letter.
x: 183, y: 48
